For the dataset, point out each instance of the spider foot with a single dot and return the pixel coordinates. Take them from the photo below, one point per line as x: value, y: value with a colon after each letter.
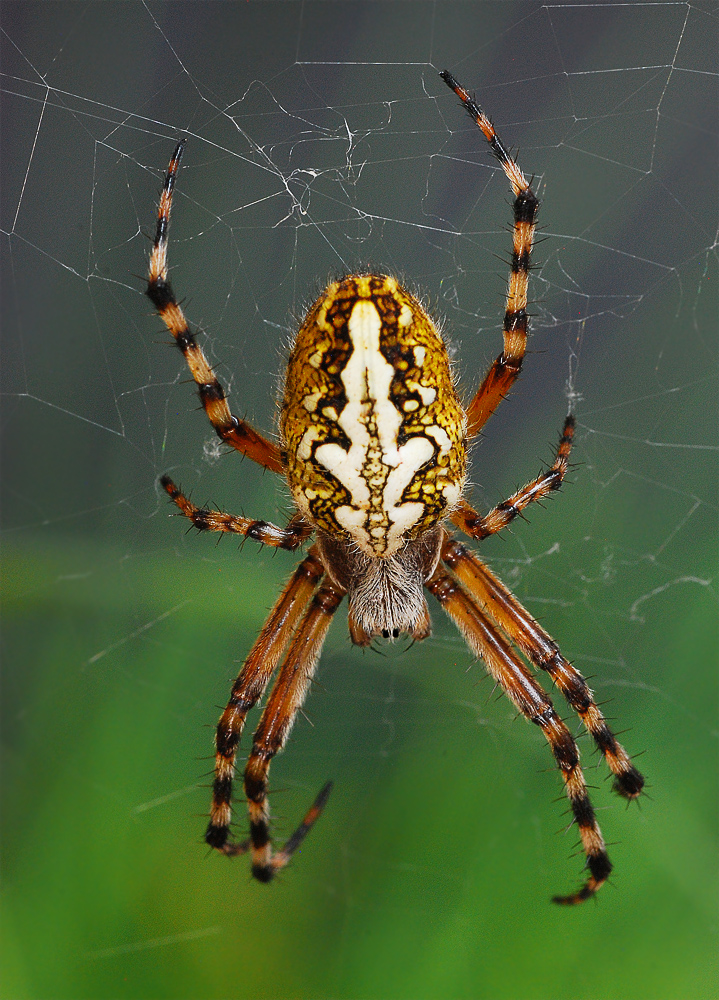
x: 217, y: 837
x: 266, y: 865
x: 629, y: 784
x: 600, y: 868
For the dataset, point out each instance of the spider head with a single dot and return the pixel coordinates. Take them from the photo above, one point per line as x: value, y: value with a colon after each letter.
x: 386, y: 595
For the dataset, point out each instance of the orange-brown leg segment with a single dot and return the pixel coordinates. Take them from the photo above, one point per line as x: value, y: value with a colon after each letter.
x: 541, y: 650
x: 216, y: 520
x: 284, y: 702
x: 230, y: 429
x: 524, y: 692
x: 249, y: 688
x: 507, y: 366
x: 477, y: 526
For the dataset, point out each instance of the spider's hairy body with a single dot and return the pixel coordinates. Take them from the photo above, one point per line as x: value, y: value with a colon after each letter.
x: 373, y: 448
x: 372, y: 430
x: 373, y: 437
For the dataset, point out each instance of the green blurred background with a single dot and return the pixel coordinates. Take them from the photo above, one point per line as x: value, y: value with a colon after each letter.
x: 321, y: 141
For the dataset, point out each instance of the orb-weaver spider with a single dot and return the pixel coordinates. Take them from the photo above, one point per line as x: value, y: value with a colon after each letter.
x: 373, y: 444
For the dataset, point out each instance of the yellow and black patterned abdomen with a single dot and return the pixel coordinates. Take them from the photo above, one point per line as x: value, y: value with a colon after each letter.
x: 373, y: 433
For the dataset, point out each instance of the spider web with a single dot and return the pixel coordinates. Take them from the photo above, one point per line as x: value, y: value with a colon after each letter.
x: 321, y: 141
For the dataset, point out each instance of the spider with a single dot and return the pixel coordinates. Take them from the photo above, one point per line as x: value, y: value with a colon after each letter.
x: 373, y: 441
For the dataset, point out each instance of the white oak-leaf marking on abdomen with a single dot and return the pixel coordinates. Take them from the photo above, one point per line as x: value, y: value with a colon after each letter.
x: 375, y: 471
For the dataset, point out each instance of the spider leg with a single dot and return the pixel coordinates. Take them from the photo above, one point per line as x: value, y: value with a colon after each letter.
x: 505, y: 369
x: 526, y: 694
x: 216, y: 520
x: 479, y: 527
x: 230, y: 429
x: 248, y: 689
x: 541, y: 650
x: 284, y: 702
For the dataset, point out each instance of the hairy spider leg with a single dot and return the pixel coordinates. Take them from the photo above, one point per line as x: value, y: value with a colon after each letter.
x: 541, y: 650
x: 479, y: 527
x: 229, y: 428
x: 505, y: 369
x: 285, y: 700
x: 296, y: 532
x: 529, y: 698
x: 247, y: 690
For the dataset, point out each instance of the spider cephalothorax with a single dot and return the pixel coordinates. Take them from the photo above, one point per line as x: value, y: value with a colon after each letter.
x: 373, y: 447
x: 385, y: 593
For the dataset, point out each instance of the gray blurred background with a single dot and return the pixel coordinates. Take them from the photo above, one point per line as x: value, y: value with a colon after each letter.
x: 322, y: 141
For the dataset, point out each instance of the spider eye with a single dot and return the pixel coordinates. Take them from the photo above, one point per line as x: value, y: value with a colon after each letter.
x: 385, y: 633
x: 395, y: 633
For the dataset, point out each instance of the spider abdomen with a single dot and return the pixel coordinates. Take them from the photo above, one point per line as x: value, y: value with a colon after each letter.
x: 372, y: 429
